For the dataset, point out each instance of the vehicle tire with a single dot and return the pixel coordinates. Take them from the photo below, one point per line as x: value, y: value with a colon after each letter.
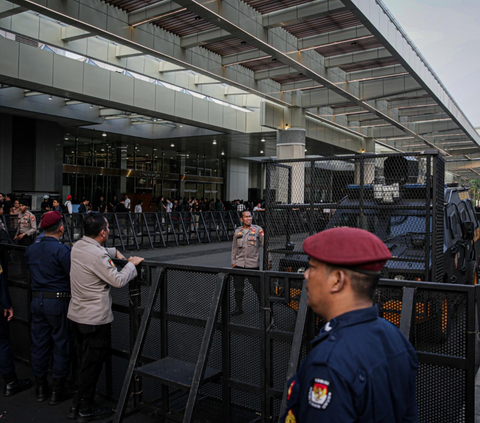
x: 472, y: 273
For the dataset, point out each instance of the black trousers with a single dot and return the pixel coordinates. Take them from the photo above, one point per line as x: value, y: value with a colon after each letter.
x: 239, y: 285
x: 27, y: 240
x: 7, y: 368
x: 92, y: 344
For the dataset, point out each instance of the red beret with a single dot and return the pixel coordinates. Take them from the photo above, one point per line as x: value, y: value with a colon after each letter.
x: 50, y: 218
x: 69, y: 197
x: 349, y: 247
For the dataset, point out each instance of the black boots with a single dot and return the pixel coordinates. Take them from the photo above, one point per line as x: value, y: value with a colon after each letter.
x: 238, y: 311
x: 42, y: 388
x: 89, y: 411
x: 73, y: 413
x: 59, y: 393
x: 16, y: 386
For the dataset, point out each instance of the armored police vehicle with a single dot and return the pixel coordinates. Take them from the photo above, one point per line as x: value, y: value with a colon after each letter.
x: 430, y: 228
x: 433, y: 236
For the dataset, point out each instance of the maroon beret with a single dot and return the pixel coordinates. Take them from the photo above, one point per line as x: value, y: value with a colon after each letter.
x: 50, y: 218
x: 349, y: 247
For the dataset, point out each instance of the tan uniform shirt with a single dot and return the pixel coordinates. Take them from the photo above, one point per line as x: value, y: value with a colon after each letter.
x: 26, y: 224
x: 246, y: 246
x: 91, y: 274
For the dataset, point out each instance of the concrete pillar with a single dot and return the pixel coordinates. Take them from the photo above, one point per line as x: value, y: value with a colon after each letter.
x: 48, y: 157
x: 6, y: 154
x: 121, y: 151
x: 237, y: 179
x: 291, y: 145
x: 367, y: 147
x: 181, y: 171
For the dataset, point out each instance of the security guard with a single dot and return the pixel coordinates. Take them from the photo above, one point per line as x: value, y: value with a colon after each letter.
x: 247, y: 241
x: 27, y: 226
x: 49, y: 264
x: 361, y: 368
x: 93, y: 273
x: 13, y: 385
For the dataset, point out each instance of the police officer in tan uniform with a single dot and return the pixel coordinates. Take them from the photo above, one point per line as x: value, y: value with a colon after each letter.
x: 247, y: 241
x: 92, y: 275
x: 27, y: 225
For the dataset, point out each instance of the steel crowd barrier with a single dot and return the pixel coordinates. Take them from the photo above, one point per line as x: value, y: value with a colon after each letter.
x: 248, y: 358
x: 134, y: 231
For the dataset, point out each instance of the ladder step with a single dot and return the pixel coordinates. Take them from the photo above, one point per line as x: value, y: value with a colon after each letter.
x: 174, y: 372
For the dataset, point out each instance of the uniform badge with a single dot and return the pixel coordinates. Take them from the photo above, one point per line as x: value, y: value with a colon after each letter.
x: 252, y: 242
x: 252, y: 230
x: 290, y: 389
x: 261, y: 232
x: 290, y: 417
x: 319, y: 395
x: 111, y: 263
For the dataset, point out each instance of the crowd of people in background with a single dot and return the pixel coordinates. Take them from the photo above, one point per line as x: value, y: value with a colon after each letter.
x: 12, y: 207
x: 17, y: 222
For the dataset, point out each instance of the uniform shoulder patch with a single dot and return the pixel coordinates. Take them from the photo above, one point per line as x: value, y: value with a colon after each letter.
x: 290, y: 389
x: 32, y: 218
x: 111, y: 262
x: 290, y: 417
x: 320, y: 395
x: 261, y: 232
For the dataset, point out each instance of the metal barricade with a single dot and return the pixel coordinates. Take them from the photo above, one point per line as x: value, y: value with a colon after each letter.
x: 152, y: 229
x: 259, y: 349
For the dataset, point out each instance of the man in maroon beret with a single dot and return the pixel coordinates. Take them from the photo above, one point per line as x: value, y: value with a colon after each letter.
x: 49, y: 264
x: 361, y: 367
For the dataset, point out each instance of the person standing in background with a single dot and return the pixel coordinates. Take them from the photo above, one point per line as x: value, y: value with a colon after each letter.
x: 68, y: 204
x: 27, y: 225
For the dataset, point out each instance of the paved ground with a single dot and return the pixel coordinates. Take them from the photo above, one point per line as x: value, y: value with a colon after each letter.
x: 214, y: 255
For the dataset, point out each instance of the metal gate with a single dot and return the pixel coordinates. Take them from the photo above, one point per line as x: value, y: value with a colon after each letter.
x: 392, y: 195
x: 257, y: 351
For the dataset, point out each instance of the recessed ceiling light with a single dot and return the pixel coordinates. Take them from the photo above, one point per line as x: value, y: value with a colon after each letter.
x: 66, y: 139
x: 223, y: 153
x: 172, y: 145
x: 104, y: 134
x: 263, y: 140
x: 261, y: 151
x: 214, y: 142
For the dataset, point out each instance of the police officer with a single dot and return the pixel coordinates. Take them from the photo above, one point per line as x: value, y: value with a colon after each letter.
x: 49, y: 264
x: 13, y: 385
x: 93, y: 273
x: 361, y: 368
x: 4, y: 237
x: 247, y: 241
x: 27, y: 225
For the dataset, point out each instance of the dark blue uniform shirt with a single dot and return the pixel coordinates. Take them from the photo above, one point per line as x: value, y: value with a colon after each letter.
x: 5, y: 301
x: 361, y: 369
x: 49, y: 265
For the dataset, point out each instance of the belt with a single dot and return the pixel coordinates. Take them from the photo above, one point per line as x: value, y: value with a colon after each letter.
x: 52, y: 295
